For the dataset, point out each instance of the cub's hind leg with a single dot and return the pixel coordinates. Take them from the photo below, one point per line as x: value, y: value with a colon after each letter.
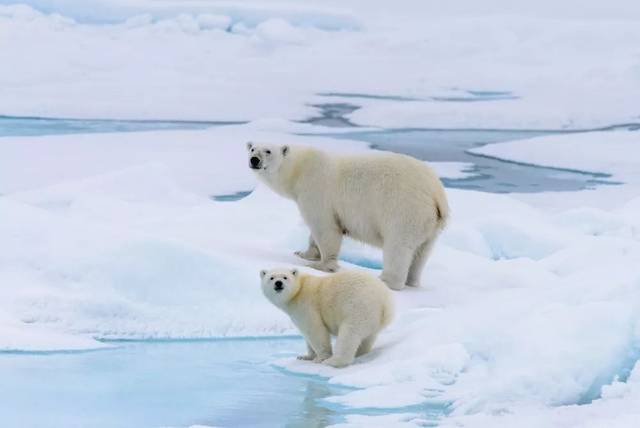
x: 347, y: 344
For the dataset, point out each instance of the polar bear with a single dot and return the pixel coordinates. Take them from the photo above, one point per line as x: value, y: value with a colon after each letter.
x: 386, y: 200
x: 354, y: 306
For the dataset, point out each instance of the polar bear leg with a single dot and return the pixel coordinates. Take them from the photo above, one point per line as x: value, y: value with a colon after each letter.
x: 366, y: 345
x: 329, y: 241
x: 310, y: 355
x: 319, y: 339
x: 324, y: 232
x: 312, y: 253
x: 419, y: 260
x: 347, y: 343
x: 397, y: 258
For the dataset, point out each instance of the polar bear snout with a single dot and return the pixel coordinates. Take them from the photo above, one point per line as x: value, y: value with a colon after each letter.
x: 254, y: 162
x: 278, y: 286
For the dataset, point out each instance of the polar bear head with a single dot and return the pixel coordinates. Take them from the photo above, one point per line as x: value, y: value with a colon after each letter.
x: 280, y: 285
x: 265, y: 159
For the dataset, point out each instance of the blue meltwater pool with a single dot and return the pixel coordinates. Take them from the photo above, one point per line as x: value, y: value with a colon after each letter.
x: 222, y: 383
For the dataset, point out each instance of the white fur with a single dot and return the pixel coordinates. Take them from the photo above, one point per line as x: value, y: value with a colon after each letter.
x: 354, y: 306
x: 383, y: 199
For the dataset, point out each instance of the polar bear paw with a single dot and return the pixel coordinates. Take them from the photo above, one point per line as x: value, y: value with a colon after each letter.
x: 336, y: 362
x: 306, y: 357
x: 326, y: 266
x: 311, y: 256
x: 391, y: 283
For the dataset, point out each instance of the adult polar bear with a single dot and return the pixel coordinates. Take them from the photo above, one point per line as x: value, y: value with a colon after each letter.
x: 383, y: 199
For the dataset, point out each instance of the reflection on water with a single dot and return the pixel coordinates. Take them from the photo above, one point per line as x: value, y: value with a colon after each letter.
x: 150, y: 384
x: 311, y: 414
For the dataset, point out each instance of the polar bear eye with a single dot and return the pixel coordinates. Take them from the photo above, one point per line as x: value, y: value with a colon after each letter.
x: 285, y: 278
x: 268, y: 152
x: 271, y: 278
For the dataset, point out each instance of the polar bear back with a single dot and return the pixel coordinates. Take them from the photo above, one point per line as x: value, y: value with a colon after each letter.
x: 385, y: 194
x: 372, y: 196
x: 350, y: 297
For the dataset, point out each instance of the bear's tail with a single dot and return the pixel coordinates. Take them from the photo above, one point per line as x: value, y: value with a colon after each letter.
x: 442, y: 209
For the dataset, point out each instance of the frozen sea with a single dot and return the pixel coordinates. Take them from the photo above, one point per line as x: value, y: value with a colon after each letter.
x: 129, y: 233
x: 221, y: 382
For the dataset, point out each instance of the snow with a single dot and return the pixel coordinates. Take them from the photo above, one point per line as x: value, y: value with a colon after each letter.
x: 454, y: 170
x: 20, y: 336
x: 236, y: 60
x: 247, y: 13
x: 114, y: 231
x: 403, y: 420
x: 110, y: 228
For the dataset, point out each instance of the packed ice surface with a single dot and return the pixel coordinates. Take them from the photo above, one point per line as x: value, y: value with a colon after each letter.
x: 523, y: 311
x: 571, y: 64
x: 454, y: 170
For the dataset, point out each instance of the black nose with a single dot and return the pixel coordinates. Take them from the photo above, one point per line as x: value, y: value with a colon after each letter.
x: 278, y: 286
x: 255, y: 161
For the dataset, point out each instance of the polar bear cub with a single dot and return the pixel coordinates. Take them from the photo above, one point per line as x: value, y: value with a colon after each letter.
x: 354, y: 306
x: 383, y: 199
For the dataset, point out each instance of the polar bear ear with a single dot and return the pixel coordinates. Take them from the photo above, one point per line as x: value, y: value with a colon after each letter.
x: 285, y: 150
x: 263, y: 273
x: 249, y: 146
x: 294, y: 272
